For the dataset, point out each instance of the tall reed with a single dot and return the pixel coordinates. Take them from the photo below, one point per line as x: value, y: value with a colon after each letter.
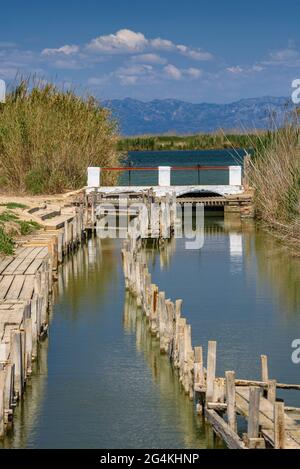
x: 48, y: 138
x: 275, y: 177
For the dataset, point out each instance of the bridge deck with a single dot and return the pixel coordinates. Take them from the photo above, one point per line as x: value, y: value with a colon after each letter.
x: 178, y: 190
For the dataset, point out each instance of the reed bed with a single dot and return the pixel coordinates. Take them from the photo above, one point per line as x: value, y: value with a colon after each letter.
x: 49, y: 136
x: 275, y: 177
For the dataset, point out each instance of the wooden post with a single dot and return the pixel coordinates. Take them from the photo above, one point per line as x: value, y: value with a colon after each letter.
x: 60, y: 247
x: 211, y: 369
x: 16, y: 352
x: 230, y: 399
x: 9, y: 388
x: 198, y: 368
x: 279, y: 425
x: 28, y: 345
x: 272, y: 391
x: 34, y: 324
x: 253, y: 417
x: 2, y: 386
x: 264, y: 368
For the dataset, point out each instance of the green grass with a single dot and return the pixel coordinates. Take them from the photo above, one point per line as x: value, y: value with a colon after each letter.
x: 13, y: 205
x: 6, y: 243
x: 28, y: 227
x: 25, y: 227
x: 8, y: 216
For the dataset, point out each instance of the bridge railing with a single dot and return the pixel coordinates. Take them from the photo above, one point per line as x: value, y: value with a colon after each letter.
x: 165, y: 176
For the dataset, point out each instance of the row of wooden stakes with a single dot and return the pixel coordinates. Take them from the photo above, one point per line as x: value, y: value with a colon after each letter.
x: 214, y: 396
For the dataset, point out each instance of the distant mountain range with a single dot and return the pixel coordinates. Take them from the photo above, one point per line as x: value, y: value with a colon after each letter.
x: 180, y: 117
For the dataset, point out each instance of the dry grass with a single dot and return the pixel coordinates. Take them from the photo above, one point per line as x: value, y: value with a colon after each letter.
x: 48, y: 138
x: 275, y: 176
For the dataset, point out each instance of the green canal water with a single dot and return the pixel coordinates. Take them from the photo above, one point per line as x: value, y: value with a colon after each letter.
x: 100, y: 381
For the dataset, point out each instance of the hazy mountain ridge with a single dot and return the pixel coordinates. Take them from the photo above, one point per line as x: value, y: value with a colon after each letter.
x: 171, y: 115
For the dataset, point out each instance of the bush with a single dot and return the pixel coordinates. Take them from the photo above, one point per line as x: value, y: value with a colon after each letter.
x: 48, y: 138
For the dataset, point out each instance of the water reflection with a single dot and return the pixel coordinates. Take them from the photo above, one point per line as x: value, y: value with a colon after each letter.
x: 195, y: 431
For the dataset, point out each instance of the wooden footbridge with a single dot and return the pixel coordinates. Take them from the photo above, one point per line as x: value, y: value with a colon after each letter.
x: 231, y: 197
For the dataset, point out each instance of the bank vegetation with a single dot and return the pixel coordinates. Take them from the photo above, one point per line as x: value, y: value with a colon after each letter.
x: 212, y: 141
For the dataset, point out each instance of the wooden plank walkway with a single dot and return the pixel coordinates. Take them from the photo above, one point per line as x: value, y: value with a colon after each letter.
x: 26, y: 280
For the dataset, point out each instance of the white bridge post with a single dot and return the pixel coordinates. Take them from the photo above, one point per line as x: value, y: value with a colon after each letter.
x: 93, y: 177
x: 235, y: 175
x: 164, y: 176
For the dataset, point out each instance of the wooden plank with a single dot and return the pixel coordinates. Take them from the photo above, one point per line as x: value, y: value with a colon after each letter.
x: 16, y: 287
x: 34, y: 266
x: 253, y: 418
x: 5, y: 284
x: 264, y: 384
x: 279, y: 425
x: 5, y: 262
x: 266, y: 419
x: 232, y: 440
x: 43, y: 253
x: 26, y: 251
x: 12, y: 266
x: 23, y: 266
x: 230, y: 399
x: 28, y: 287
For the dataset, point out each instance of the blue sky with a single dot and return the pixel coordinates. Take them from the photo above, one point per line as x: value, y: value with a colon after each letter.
x: 196, y: 50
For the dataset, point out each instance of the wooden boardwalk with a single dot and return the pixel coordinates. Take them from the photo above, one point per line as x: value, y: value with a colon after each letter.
x: 26, y: 280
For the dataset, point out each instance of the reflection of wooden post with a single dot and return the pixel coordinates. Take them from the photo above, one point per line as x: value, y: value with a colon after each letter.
x: 279, y: 425
x: 230, y: 399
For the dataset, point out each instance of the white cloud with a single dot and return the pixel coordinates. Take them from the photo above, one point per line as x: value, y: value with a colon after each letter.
x: 235, y: 70
x: 123, y: 40
x: 194, y: 54
x: 176, y: 73
x: 127, y: 41
x: 193, y: 72
x: 163, y: 44
x: 149, y: 58
x: 65, y: 50
x: 289, y: 57
x: 130, y: 75
x: 173, y: 72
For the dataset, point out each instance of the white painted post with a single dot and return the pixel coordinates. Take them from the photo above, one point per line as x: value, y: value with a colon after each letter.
x: 93, y: 177
x: 2, y: 91
x: 235, y: 175
x: 164, y: 176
